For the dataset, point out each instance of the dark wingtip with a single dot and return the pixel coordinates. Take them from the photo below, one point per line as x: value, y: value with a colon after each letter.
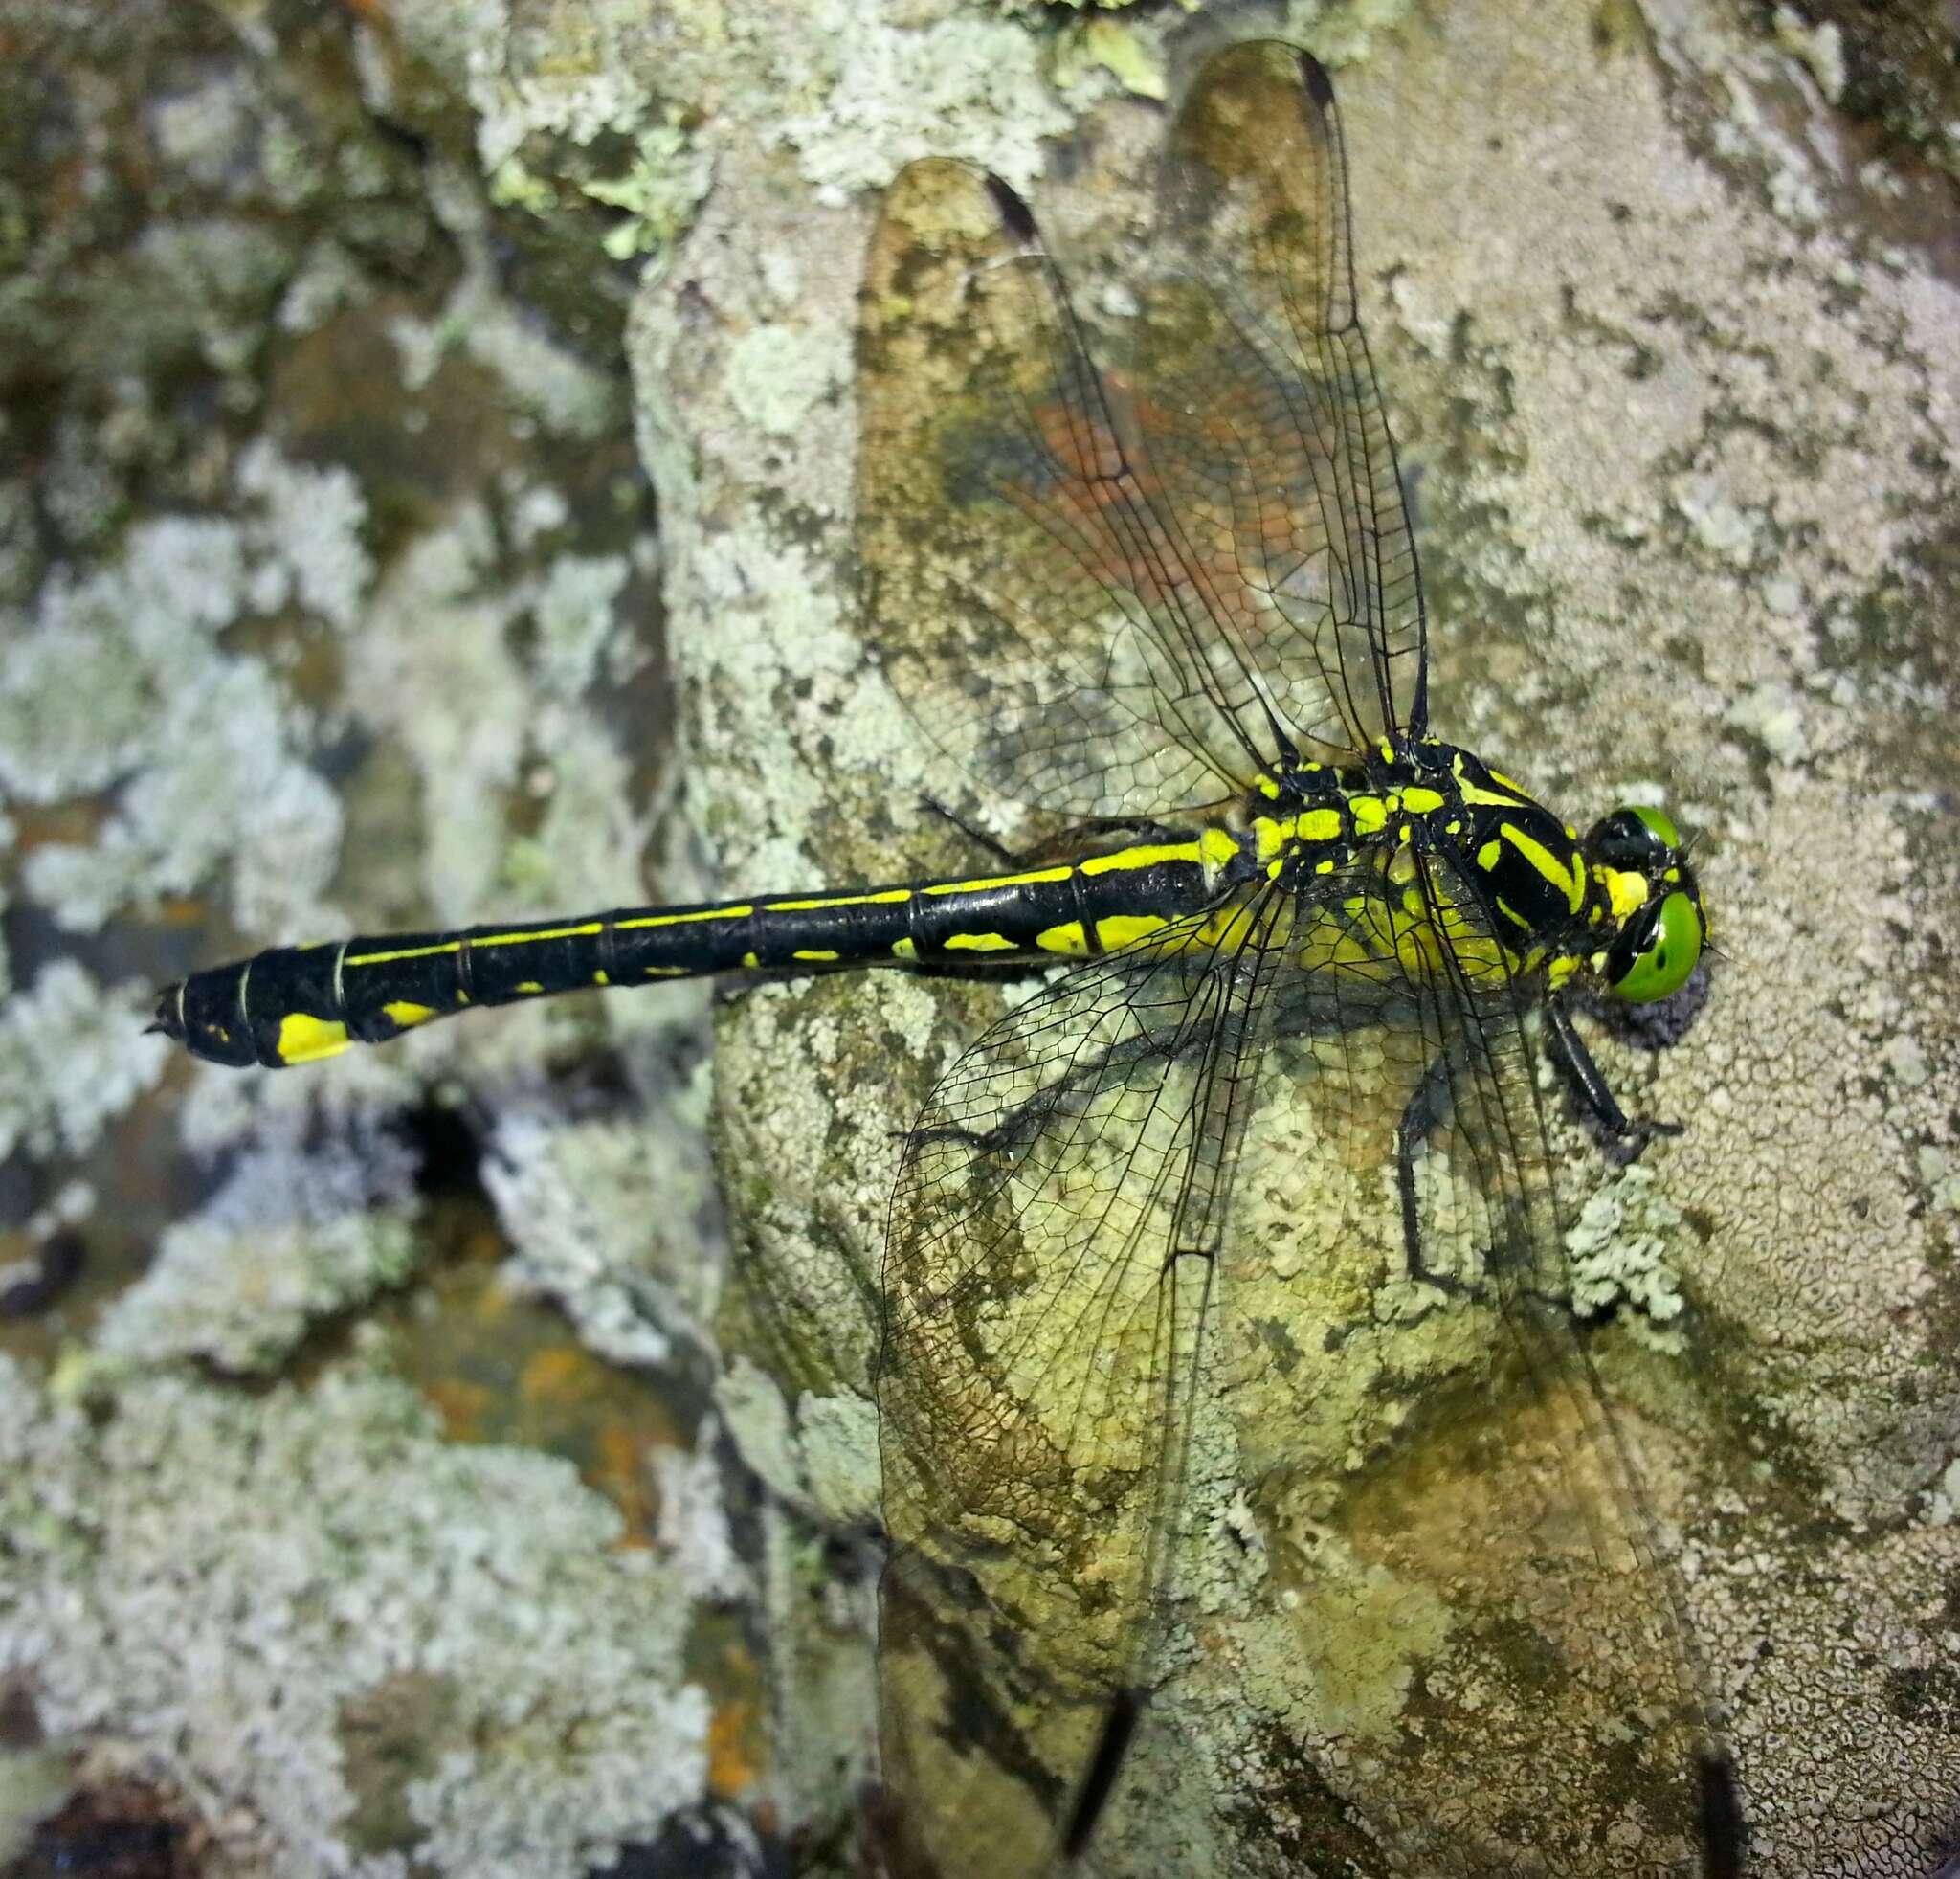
x: 1722, y: 1832
x: 1018, y: 218
x: 1313, y: 76
x: 1100, y: 1781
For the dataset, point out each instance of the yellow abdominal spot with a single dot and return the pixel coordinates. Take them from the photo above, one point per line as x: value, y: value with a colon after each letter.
x: 1217, y: 845
x: 529, y: 985
x: 1122, y: 928
x: 306, y: 1039
x: 1067, y: 938
x: 814, y: 957
x: 979, y: 943
x: 1228, y: 928
x: 904, y: 949
x: 406, y: 1015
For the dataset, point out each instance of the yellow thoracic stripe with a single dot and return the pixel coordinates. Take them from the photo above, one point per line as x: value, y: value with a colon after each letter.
x: 1565, y: 876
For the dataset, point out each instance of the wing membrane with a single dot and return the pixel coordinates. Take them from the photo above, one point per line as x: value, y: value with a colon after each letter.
x: 1048, y: 1275
x: 1107, y: 593
x: 1296, y: 1188
x: 1258, y: 406
x: 1014, y: 564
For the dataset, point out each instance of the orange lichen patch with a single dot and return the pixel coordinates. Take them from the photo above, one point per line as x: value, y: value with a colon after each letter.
x: 465, y: 1407
x: 619, y: 1471
x: 735, y: 1740
x: 562, y: 1375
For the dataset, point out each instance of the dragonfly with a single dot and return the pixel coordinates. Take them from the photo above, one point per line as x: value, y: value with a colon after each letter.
x: 1254, y: 1183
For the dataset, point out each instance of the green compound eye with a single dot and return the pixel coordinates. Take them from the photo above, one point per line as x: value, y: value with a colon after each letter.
x: 1662, y: 966
x: 1657, y: 820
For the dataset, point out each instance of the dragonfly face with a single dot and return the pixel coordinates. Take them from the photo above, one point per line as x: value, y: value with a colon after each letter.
x: 1658, y: 922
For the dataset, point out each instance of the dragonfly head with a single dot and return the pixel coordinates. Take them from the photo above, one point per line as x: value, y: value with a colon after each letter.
x: 1658, y: 923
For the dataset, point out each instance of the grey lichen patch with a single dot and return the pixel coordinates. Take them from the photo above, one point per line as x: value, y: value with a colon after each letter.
x: 1620, y: 1250
x: 68, y: 1061
x: 808, y: 1127
x: 959, y: 84
x: 554, y: 1721
x: 122, y: 670
x: 294, y: 1235
x: 610, y: 1218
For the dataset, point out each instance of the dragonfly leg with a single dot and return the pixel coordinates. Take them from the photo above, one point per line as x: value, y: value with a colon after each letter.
x: 1588, y: 1081
x: 1091, y: 837
x: 988, y: 844
x: 1419, y: 1116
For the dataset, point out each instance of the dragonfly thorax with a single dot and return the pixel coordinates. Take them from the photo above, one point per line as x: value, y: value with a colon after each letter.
x: 1618, y: 908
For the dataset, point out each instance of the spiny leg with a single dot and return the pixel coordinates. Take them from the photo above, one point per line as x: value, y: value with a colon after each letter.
x: 1588, y: 1081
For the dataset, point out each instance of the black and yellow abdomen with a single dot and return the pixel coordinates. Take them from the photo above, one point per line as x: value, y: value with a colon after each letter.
x: 297, y: 1004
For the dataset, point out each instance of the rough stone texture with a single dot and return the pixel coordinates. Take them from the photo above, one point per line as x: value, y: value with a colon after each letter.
x: 330, y: 583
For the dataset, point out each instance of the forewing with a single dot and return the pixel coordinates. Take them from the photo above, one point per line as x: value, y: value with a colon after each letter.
x: 1047, y: 1279
x: 1031, y: 602
x: 1256, y: 407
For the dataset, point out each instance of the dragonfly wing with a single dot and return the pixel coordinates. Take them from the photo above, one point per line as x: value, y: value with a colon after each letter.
x: 1257, y: 408
x: 1034, y: 605
x: 1048, y: 1276
x: 1462, y: 1476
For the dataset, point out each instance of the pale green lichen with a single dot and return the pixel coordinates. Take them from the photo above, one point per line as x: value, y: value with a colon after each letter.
x: 1110, y: 46
x: 475, y: 1601
x: 781, y: 372
x: 1620, y: 1255
x: 656, y: 193
x: 962, y: 85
